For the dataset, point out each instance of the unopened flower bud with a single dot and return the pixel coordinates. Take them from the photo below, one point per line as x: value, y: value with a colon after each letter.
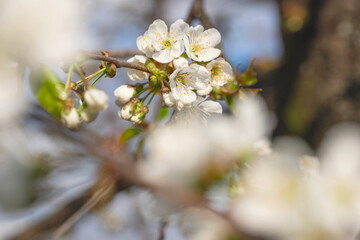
x: 180, y: 62
x: 96, y: 99
x: 127, y: 110
x: 71, y: 119
x: 88, y: 116
x: 139, y: 116
x: 167, y: 97
x: 123, y: 94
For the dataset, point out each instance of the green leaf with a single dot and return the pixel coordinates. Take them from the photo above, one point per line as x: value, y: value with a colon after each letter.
x: 249, y: 77
x: 48, y: 90
x: 163, y: 112
x: 229, y: 99
x: 129, y: 134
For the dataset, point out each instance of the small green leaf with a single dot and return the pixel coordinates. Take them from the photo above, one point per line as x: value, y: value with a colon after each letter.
x: 249, y: 77
x: 48, y: 90
x: 129, y: 134
x: 163, y: 112
x: 229, y: 99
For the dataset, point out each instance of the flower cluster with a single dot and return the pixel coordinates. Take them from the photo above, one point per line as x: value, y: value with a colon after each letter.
x: 93, y: 101
x: 184, y: 66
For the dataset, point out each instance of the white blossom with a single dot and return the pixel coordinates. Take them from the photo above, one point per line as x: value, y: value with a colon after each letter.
x: 137, y: 75
x: 184, y: 80
x: 123, y: 94
x: 200, y: 45
x: 71, y: 119
x: 220, y: 70
x: 96, y: 99
x: 161, y: 44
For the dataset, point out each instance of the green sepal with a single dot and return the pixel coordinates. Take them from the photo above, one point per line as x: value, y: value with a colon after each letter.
x: 48, y: 90
x: 249, y: 77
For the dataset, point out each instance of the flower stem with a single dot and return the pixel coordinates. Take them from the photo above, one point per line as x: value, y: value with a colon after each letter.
x: 100, y: 76
x: 68, y: 81
x: 154, y: 93
x: 141, y: 92
x: 94, y: 74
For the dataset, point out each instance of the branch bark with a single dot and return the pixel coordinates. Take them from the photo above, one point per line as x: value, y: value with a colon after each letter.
x: 119, y: 63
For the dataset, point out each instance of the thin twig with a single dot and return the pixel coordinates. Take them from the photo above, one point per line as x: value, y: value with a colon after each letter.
x: 123, y: 53
x: 118, y: 63
x: 81, y: 212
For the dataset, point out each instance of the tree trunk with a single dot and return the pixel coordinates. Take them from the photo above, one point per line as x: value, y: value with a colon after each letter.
x: 318, y: 84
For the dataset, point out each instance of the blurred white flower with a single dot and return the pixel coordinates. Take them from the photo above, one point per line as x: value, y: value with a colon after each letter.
x: 199, y: 110
x: 200, y: 45
x: 40, y: 30
x: 199, y: 224
x: 136, y: 75
x: 320, y: 202
x: 184, y: 152
x: 12, y: 101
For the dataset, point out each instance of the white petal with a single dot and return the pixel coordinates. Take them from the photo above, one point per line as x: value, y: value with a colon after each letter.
x: 158, y: 26
x: 211, y: 107
x: 136, y: 75
x: 163, y: 56
x: 180, y: 62
x: 210, y: 37
x: 204, y: 92
x: 177, y: 49
x: 193, y: 31
x: 178, y: 27
x: 209, y: 54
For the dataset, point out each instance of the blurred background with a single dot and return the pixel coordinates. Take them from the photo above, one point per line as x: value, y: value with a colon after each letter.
x: 307, y: 60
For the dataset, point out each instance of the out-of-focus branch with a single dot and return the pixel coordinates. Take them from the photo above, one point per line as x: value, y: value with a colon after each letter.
x: 123, y: 53
x: 197, y: 12
x: 118, y: 171
x: 119, y: 63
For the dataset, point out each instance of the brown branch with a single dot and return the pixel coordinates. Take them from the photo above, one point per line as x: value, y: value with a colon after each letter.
x: 197, y: 12
x: 122, y: 53
x: 119, y: 63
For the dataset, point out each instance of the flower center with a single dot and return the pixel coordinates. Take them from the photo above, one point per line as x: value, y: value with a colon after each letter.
x: 217, y: 73
x: 167, y: 43
x: 195, y: 48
